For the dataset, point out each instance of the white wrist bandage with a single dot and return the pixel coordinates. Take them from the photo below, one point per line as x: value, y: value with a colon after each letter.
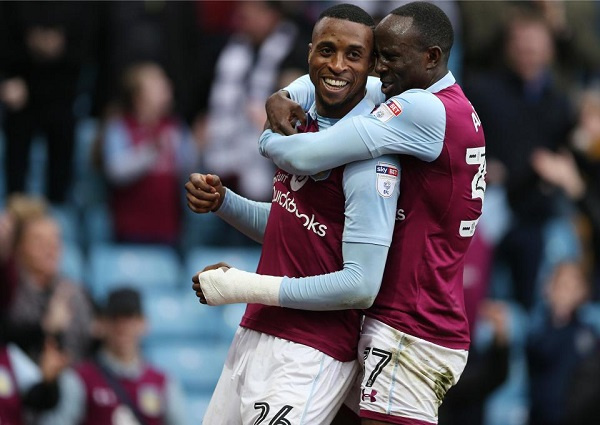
x: 236, y: 286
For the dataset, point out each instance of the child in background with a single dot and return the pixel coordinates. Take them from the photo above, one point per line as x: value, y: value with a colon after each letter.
x: 146, y: 151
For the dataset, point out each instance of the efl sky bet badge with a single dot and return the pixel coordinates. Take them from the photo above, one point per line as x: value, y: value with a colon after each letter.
x: 387, y: 110
x: 387, y: 177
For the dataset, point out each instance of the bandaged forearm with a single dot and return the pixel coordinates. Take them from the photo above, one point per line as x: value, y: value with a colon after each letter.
x: 249, y: 217
x: 236, y: 286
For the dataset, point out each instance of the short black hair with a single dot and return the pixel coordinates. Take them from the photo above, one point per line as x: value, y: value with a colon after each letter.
x: 123, y: 302
x: 348, y: 12
x: 432, y: 23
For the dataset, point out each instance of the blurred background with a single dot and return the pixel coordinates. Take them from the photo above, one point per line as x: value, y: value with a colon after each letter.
x: 107, y: 107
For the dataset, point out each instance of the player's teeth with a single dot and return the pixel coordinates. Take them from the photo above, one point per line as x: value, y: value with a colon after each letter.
x: 337, y: 83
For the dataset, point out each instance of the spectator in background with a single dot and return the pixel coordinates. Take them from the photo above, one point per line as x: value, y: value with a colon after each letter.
x: 265, y: 52
x: 43, y: 46
x: 558, y: 342
x: 43, y: 305
x: 576, y: 171
x: 163, y: 32
x: 486, y: 370
x: 573, y: 26
x: 117, y: 386
x: 25, y: 389
x: 147, y: 152
x: 523, y: 110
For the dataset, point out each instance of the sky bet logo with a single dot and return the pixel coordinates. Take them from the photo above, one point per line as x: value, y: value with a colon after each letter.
x: 382, y: 169
x: 387, y: 177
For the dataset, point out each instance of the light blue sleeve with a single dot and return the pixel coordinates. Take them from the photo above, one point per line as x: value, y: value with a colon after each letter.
x: 371, y: 190
x: 247, y: 216
x: 175, y: 404
x: 27, y: 373
x: 123, y: 163
x: 302, y: 91
x: 71, y: 407
x: 417, y: 130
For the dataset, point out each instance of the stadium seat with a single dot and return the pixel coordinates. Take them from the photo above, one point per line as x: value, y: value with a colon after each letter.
x: 177, y: 314
x: 72, y: 262
x: 97, y: 225
x: 195, y: 364
x: 231, y: 317
x: 68, y: 220
x: 142, y: 266
x: 197, y: 403
x: 238, y: 257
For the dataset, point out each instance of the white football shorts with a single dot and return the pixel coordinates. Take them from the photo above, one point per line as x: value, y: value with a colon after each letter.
x: 272, y: 380
x: 405, y: 378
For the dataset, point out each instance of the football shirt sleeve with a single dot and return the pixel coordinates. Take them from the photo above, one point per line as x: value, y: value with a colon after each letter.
x: 247, y: 216
x: 411, y: 124
x: 371, y: 189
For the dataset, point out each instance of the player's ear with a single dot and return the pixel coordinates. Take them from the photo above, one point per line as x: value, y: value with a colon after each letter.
x: 309, y: 51
x: 433, y: 56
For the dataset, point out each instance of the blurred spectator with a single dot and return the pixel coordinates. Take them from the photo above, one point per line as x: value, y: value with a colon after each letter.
x: 117, y: 386
x: 42, y: 304
x: 27, y: 390
x: 163, y: 32
x: 146, y: 153
x: 573, y: 26
x: 265, y: 52
x: 557, y: 343
x: 583, y: 393
x: 577, y: 171
x: 43, y: 46
x: 486, y: 369
x: 523, y: 110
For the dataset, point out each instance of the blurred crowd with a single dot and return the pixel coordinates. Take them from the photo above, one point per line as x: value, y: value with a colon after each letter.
x: 107, y: 107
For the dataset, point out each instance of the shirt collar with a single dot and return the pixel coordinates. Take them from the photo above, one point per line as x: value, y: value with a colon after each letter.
x: 443, y: 83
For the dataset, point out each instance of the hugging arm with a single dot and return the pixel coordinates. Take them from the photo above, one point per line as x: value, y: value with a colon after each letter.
x: 369, y: 223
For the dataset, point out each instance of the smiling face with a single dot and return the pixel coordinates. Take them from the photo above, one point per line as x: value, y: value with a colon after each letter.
x: 339, y: 61
x: 402, y: 61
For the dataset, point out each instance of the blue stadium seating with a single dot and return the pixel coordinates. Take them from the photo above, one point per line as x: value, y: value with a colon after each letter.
x: 239, y: 257
x: 72, y: 262
x: 97, y: 225
x: 68, y: 220
x: 196, y: 364
x: 177, y: 314
x: 231, y: 317
x: 197, y: 403
x: 142, y: 266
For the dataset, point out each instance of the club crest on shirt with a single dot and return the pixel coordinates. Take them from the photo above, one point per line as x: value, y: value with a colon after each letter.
x: 297, y: 182
x: 387, y: 110
x: 387, y: 177
x: 6, y: 385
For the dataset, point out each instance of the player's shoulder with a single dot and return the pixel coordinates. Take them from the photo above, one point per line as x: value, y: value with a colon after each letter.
x: 416, y: 105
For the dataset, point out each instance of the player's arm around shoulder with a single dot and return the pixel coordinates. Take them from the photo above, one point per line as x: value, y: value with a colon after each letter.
x: 412, y: 123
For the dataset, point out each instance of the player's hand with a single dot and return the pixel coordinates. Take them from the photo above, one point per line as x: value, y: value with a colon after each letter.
x: 205, y: 193
x: 196, y: 279
x: 283, y: 113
